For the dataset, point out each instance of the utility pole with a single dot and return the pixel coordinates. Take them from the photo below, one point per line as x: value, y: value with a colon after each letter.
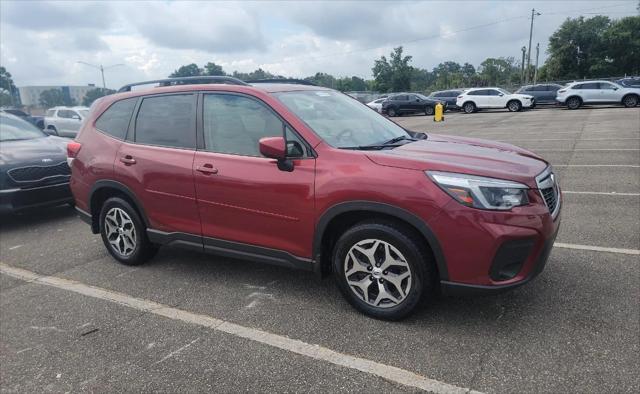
x: 524, y: 52
x: 535, y: 71
x: 101, y: 68
x: 533, y: 15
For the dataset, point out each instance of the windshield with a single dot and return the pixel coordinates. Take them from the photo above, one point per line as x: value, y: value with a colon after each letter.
x: 422, y: 96
x: 503, y: 91
x: 12, y: 129
x: 340, y: 120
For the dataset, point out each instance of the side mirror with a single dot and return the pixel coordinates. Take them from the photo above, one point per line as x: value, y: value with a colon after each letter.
x: 501, y: 95
x: 276, y: 148
x: 418, y: 100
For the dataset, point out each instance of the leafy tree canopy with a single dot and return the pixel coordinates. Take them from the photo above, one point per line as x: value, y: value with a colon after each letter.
x: 93, y: 95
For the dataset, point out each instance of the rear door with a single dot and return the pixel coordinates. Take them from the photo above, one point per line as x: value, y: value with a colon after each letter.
x: 156, y: 161
x: 244, y: 197
x: 590, y: 92
x: 481, y: 98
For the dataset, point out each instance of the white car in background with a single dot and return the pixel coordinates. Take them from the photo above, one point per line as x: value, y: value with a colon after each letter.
x: 64, y: 121
x: 376, y: 104
x: 597, y: 92
x: 472, y: 100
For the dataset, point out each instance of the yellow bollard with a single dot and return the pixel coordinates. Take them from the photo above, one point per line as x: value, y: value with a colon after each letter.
x: 438, y: 114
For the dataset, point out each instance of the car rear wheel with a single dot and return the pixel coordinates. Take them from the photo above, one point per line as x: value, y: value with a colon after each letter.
x: 392, y: 112
x: 630, y: 101
x: 514, y: 106
x: 573, y: 103
x: 382, y: 269
x: 429, y: 111
x: 124, y: 234
x: 469, y: 108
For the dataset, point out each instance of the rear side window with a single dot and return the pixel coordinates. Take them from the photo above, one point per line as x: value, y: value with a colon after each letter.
x: 234, y: 124
x: 66, y: 114
x: 606, y: 85
x: 115, y: 120
x: 592, y: 85
x: 167, y: 121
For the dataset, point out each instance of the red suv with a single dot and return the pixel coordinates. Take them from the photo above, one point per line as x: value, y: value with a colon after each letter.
x: 307, y: 177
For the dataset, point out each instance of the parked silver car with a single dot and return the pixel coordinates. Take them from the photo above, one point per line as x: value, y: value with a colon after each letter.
x: 64, y: 121
x: 575, y: 94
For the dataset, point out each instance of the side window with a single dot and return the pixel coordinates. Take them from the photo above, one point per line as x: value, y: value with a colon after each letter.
x: 115, y: 120
x: 492, y: 92
x: 65, y: 114
x: 474, y: 93
x: 438, y: 95
x: 605, y: 85
x: 592, y: 85
x: 578, y: 87
x: 167, y: 121
x: 413, y: 97
x: 235, y: 124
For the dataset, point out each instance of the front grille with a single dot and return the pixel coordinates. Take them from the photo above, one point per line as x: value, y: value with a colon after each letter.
x: 38, y: 173
x: 549, y: 191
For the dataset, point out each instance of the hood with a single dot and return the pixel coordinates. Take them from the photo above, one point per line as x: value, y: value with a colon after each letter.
x: 33, y: 151
x: 464, y: 155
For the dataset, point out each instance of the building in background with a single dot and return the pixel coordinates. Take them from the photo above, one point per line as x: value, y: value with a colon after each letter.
x: 30, y: 95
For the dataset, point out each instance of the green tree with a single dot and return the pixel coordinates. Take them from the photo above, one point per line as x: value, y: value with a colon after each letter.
x: 354, y: 83
x: 257, y: 74
x: 51, y: 98
x: 8, y: 89
x: 213, y: 69
x: 498, y: 71
x: 393, y: 74
x: 94, y: 94
x: 323, y: 79
x: 623, y: 46
x: 190, y: 70
x: 578, y: 49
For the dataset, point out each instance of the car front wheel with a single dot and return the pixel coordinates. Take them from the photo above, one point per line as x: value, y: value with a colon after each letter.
x: 469, y: 108
x: 123, y: 233
x: 429, y: 111
x: 382, y: 269
x: 573, y: 103
x: 514, y: 106
x: 392, y: 112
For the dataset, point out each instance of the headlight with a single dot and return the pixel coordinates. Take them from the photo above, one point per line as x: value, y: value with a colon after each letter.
x: 481, y: 192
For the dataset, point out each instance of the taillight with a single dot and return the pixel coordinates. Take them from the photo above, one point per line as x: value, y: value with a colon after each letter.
x: 73, y: 148
x: 459, y: 96
x: 562, y: 91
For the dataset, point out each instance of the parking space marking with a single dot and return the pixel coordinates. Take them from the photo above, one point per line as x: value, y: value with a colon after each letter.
x: 583, y: 150
x: 387, y: 372
x: 597, y: 248
x: 600, y: 193
x: 567, y: 139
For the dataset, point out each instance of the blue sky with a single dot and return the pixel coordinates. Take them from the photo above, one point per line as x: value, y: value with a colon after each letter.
x: 41, y: 42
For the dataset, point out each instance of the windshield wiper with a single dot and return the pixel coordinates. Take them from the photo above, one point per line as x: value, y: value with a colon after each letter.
x: 371, y: 147
x: 398, y: 139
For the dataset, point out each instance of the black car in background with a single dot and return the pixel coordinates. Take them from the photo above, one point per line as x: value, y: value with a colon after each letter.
x: 631, y: 82
x: 543, y: 93
x: 37, y: 121
x: 409, y: 103
x: 447, y: 96
x: 33, y: 166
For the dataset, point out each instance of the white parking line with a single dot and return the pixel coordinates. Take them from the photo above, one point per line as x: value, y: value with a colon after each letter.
x: 600, y: 193
x: 597, y: 165
x: 568, y: 139
x: 387, y: 372
x: 582, y: 150
x: 597, y: 248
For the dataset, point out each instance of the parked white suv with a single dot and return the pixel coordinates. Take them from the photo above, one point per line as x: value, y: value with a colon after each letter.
x: 472, y: 100
x: 64, y: 121
x: 597, y: 92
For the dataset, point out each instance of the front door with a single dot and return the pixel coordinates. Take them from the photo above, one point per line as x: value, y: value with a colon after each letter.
x: 244, y: 197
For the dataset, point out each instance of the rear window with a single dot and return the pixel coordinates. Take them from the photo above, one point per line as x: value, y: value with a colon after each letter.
x: 115, y: 120
x: 167, y: 121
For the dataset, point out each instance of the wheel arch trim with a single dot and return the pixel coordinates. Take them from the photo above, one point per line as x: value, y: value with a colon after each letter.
x: 384, y: 208
x: 110, y: 184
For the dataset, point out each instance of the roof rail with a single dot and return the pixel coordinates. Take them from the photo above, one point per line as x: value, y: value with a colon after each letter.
x: 283, y: 80
x: 205, y: 79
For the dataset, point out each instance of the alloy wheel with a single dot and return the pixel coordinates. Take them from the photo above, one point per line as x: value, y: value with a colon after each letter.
x: 514, y: 106
x: 120, y: 231
x: 630, y: 101
x: 377, y: 273
x: 469, y: 108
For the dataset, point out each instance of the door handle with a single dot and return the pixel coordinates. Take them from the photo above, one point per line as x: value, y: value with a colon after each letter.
x: 207, y: 169
x: 128, y: 160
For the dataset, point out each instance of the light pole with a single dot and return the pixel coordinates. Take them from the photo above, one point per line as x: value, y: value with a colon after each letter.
x: 101, y: 68
x: 535, y: 71
x: 533, y: 15
x: 524, y: 53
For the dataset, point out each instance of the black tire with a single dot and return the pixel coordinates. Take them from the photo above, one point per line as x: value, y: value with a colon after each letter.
x: 429, y: 111
x: 143, y: 250
x: 469, y: 107
x: 392, y: 112
x: 630, y: 100
x: 420, y: 267
x: 514, y: 106
x: 574, y: 102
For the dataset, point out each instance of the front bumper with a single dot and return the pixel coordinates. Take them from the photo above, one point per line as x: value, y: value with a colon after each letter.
x: 13, y: 200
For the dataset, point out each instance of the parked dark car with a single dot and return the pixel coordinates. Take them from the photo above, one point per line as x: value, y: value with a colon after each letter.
x: 34, y: 120
x: 543, y: 93
x: 409, y: 103
x: 447, y: 96
x: 33, y: 167
x: 631, y: 82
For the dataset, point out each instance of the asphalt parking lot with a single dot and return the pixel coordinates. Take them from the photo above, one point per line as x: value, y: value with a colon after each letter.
x: 72, y: 319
